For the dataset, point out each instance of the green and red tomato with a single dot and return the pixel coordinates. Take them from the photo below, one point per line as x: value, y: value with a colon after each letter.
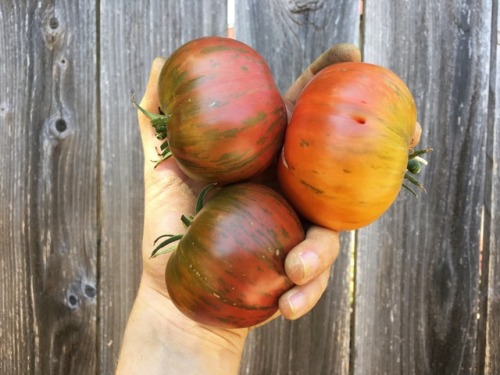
x: 345, y: 152
x: 228, y: 268
x: 225, y: 118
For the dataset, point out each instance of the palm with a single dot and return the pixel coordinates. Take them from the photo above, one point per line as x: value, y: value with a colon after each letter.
x: 157, y: 333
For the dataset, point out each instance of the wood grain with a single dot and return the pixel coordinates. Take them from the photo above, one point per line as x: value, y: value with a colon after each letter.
x: 291, y: 34
x: 417, y: 269
x: 490, y: 280
x: 49, y: 173
x: 414, y: 293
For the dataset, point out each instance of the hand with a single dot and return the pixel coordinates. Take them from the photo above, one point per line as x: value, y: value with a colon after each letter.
x: 158, y: 336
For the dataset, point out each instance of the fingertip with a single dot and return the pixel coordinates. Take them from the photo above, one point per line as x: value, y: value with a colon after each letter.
x: 347, y: 52
x: 417, y: 133
x: 301, y: 266
x: 156, y: 67
x: 301, y: 299
x: 150, y: 99
x: 291, y: 304
x: 341, y: 52
x: 312, y: 256
x: 338, y: 53
x: 158, y: 63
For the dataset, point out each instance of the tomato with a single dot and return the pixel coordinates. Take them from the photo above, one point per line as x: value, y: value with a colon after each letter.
x: 225, y: 116
x: 346, y: 147
x: 228, y: 268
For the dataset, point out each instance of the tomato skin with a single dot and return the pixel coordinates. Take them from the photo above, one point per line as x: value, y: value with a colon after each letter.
x: 227, y: 119
x: 228, y: 269
x: 346, y: 146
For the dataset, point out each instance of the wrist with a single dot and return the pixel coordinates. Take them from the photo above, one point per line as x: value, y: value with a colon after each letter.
x: 159, y: 339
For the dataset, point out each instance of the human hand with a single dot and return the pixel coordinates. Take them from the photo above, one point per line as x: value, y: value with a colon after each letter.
x: 169, y: 194
x: 157, y: 332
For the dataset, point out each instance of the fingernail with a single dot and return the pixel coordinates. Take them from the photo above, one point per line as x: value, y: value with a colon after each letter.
x: 304, y: 266
x: 296, y: 302
x: 310, y: 262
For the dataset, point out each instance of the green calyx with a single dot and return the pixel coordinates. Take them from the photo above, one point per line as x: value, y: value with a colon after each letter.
x: 414, y: 167
x: 159, y: 122
x: 163, y: 247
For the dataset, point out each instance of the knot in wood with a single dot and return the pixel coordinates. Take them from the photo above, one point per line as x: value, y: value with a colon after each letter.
x: 72, y: 301
x: 53, y: 23
x: 300, y: 7
x: 89, y: 291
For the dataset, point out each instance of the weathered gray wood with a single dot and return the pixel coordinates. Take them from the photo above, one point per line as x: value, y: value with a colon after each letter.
x: 426, y: 300
x: 48, y: 215
x: 132, y: 34
x: 290, y: 35
x: 417, y: 269
x: 490, y: 312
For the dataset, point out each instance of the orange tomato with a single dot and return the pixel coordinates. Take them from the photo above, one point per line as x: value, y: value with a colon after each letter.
x: 346, y: 147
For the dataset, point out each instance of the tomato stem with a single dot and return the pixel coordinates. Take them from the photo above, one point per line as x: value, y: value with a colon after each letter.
x: 186, y: 220
x: 414, y: 153
x: 201, y: 197
x: 164, y: 154
x: 159, y: 122
x: 414, y: 181
x: 160, y: 248
x: 414, y: 167
x: 410, y: 190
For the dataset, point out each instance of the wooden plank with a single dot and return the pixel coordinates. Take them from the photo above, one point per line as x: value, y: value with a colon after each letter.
x: 48, y: 231
x: 290, y: 35
x: 131, y: 35
x: 491, y: 253
x: 15, y: 309
x: 417, y: 269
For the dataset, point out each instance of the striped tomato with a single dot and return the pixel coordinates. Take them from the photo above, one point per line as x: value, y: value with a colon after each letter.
x: 228, y: 268
x: 346, y: 147
x: 225, y: 116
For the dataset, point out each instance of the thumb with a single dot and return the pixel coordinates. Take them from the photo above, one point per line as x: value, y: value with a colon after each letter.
x: 343, y: 52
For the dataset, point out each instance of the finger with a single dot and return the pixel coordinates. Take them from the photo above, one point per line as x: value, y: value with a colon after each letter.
x: 416, y: 135
x: 299, y: 300
x: 343, y: 52
x: 312, y: 256
x: 150, y: 99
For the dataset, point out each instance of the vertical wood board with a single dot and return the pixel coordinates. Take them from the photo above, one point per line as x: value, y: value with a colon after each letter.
x: 291, y: 34
x: 417, y: 268
x: 49, y: 189
x: 490, y: 314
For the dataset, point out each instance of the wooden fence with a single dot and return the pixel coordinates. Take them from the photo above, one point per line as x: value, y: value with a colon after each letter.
x: 418, y: 292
